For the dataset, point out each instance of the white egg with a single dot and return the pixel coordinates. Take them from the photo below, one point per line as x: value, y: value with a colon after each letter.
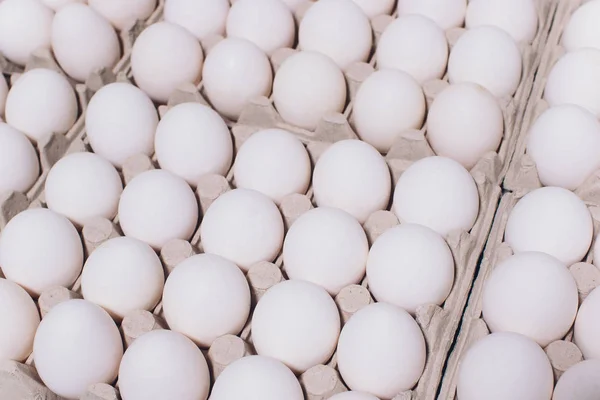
x: 387, y: 103
x: 157, y: 206
x: 416, y: 45
x: 83, y: 42
x: 410, y: 266
x: 543, y: 297
x: 518, y: 18
x: 465, y: 122
x: 505, y: 366
x: 25, y: 26
x: 267, y: 23
x: 351, y: 175
x: 308, y: 86
x: 338, y: 29
x: 587, y: 326
x: 122, y: 15
x: 439, y: 193
x: 381, y: 351
x: 58, y: 4
x: 564, y: 143
x: 82, y: 186
x: 294, y: 5
x: 192, y: 140
x: 582, y: 30
x: 161, y: 363
x: 488, y: 56
x: 243, y: 226
x: 573, y: 80
x: 446, y: 13
x: 71, y: 335
x: 41, y: 102
x: 202, y: 18
x: 123, y: 275
x: 551, y: 220
x: 297, y: 323
x: 373, y: 8
x: 352, y: 395
x: 164, y: 57
x: 579, y: 382
x: 257, y: 378
x: 20, y: 319
x: 273, y: 162
x: 19, y: 165
x: 120, y: 122
x: 40, y: 249
x: 328, y: 247
x: 235, y: 72
x: 205, y: 297
x: 3, y: 94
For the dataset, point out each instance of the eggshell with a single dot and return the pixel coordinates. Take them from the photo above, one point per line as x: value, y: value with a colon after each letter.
x: 505, y: 366
x: 564, y: 143
x: 409, y: 266
x: 328, y: 247
x: 40, y: 249
x: 351, y: 175
x: 206, y: 296
x: 243, y: 226
x: 347, y: 41
x: 387, y: 103
x: 587, y: 326
x: 3, y: 94
x: 120, y: 122
x: 416, y: 45
x: 446, y: 13
x: 164, y: 57
x: 373, y: 8
x: 256, y: 378
x: 19, y: 165
x: 273, y: 162
x: 464, y: 123
x: 25, y: 25
x: 20, y: 319
x: 122, y: 15
x: 582, y: 30
x: 543, y: 297
x: 267, y: 23
x: 123, y: 275
x: 83, y: 41
x: 58, y: 4
x: 308, y: 86
x: 518, y: 18
x: 439, y: 193
x: 579, y: 382
x: 488, y: 56
x: 41, y: 102
x: 193, y: 140
x: 353, y: 396
x: 551, y: 220
x: 161, y: 363
x: 235, y: 72
x: 381, y: 351
x: 294, y: 5
x: 82, y: 186
x: 202, y: 18
x: 573, y: 79
x: 69, y: 337
x: 157, y: 206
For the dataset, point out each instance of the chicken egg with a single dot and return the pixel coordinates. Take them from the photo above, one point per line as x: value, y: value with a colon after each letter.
x: 202, y: 18
x: 164, y: 57
x: 69, y: 337
x: 551, y: 220
x: 465, y: 122
x: 488, y: 56
x: 58, y: 4
x: 387, y: 103
x: 235, y: 72
x: 587, y: 326
x: 446, y: 13
x: 505, y: 366
x: 122, y: 15
x: 41, y: 102
x: 579, y: 382
x: 373, y: 8
x: 243, y: 226
x: 352, y: 395
x: 123, y: 275
x: 308, y: 86
x: 157, y: 206
x: 20, y: 319
x: 416, y: 45
x: 40, y: 249
x: 3, y: 94
x: 582, y: 29
x: 19, y: 165
x: 564, y: 143
x: 518, y: 18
